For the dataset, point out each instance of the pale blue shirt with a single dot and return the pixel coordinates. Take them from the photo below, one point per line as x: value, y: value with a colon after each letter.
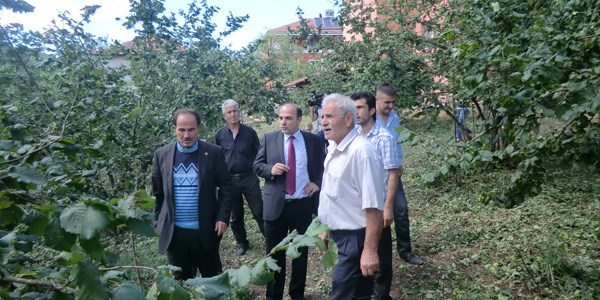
x: 392, y: 123
x: 385, y: 144
x: 301, y: 163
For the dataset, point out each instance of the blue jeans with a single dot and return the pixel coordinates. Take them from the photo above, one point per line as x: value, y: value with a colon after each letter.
x: 461, y: 116
x: 401, y: 224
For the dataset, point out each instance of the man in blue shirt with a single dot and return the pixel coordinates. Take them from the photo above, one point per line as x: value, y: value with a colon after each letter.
x: 386, y: 118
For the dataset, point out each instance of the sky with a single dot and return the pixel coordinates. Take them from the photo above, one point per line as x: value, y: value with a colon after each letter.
x: 264, y: 15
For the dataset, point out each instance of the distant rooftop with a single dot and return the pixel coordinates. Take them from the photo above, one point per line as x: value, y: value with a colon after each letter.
x: 328, y: 24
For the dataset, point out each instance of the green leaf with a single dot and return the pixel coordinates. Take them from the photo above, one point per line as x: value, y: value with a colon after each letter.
x: 217, y: 287
x: 429, y: 177
x: 169, y: 288
x: 143, y: 200
x: 128, y: 208
x: 56, y: 237
x: 496, y: 6
x: 6, y: 247
x: 5, y: 203
x: 495, y: 49
x: 36, y: 221
x: 263, y: 271
x: 330, y: 257
x: 128, y: 291
x: 93, y: 247
x: 240, y: 277
x: 7, y: 145
x: 66, y: 258
x: 83, y: 219
x: 486, y: 155
x: 316, y: 228
x: 445, y: 168
x: 88, y: 282
x: 88, y: 173
x: 25, y: 175
x: 141, y: 227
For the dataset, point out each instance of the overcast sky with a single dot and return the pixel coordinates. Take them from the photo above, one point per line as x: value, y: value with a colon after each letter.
x: 264, y: 15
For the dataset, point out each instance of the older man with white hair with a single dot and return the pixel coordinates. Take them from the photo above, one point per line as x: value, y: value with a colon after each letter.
x: 351, y: 199
x: 241, y: 144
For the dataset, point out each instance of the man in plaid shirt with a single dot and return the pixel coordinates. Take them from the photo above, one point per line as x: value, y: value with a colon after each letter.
x: 386, y: 148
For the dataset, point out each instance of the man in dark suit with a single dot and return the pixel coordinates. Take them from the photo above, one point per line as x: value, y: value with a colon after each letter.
x: 187, y: 215
x: 291, y: 162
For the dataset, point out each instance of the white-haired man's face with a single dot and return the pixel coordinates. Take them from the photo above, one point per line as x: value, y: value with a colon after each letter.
x: 335, y: 125
x: 231, y: 115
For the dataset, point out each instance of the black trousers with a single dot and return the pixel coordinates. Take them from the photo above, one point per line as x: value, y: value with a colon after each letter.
x: 248, y: 186
x: 188, y: 252
x: 401, y: 222
x: 383, y: 277
x: 348, y: 281
x: 297, y: 214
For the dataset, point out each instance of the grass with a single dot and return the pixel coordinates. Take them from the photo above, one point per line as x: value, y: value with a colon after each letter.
x: 546, y: 248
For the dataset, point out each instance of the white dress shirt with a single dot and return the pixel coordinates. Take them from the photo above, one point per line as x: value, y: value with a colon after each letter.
x: 352, y: 182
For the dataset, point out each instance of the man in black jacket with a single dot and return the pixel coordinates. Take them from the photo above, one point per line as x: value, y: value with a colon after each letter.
x: 187, y: 215
x: 240, y: 143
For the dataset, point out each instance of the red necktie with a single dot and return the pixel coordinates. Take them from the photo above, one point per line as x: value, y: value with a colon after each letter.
x: 290, y: 178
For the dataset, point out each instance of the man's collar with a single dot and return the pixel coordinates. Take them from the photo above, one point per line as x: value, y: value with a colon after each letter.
x: 373, y: 129
x: 239, y: 125
x: 296, y: 135
x: 347, y: 140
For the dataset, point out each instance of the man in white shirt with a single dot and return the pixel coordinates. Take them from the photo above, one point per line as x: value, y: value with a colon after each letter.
x: 351, y: 199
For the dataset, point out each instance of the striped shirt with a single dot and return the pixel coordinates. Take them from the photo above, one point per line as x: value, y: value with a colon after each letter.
x: 386, y: 148
x: 392, y: 124
x: 185, y: 189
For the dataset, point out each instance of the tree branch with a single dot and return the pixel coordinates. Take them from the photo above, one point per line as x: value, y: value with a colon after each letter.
x: 130, y: 267
x: 31, y: 152
x: 49, y: 284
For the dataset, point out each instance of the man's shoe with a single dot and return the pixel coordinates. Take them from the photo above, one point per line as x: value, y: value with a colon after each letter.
x: 412, y: 259
x: 241, y: 249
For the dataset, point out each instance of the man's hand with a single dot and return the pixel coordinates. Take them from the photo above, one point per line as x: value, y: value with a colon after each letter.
x: 400, y: 171
x: 279, y: 169
x: 388, y: 216
x: 310, y: 189
x: 369, y: 262
x: 220, y: 227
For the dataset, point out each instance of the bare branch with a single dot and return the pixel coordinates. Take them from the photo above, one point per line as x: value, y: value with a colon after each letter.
x: 30, y: 152
x: 49, y: 284
x: 156, y: 271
